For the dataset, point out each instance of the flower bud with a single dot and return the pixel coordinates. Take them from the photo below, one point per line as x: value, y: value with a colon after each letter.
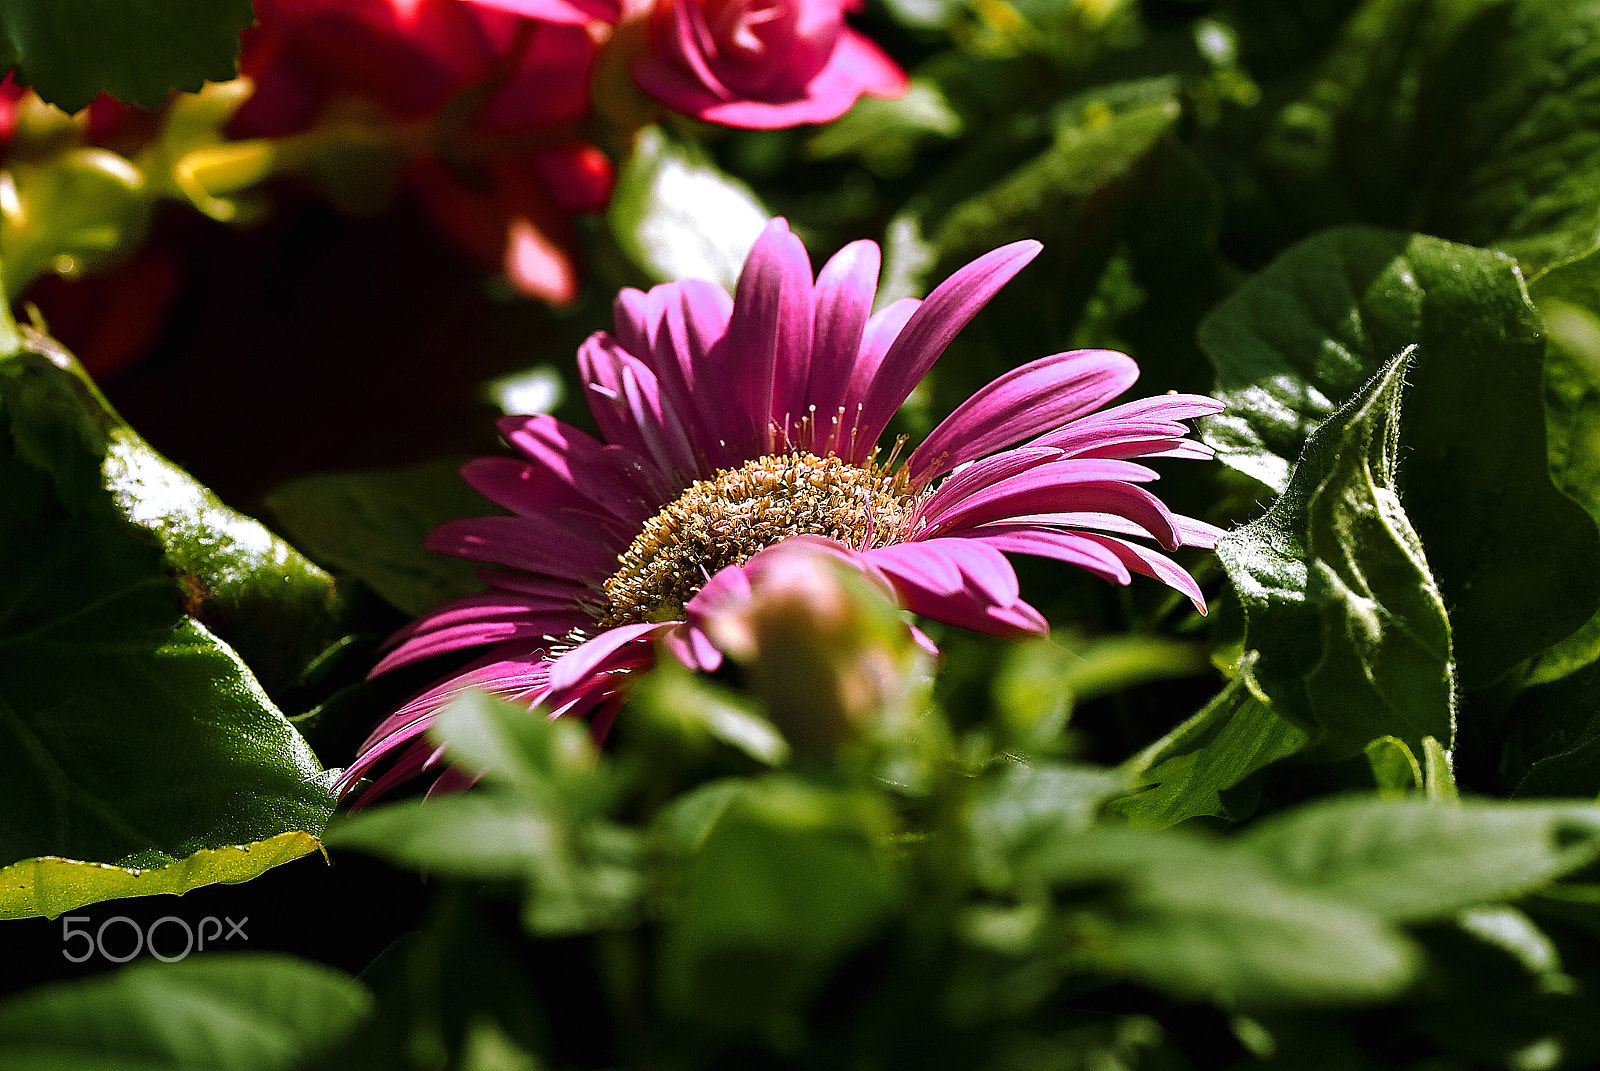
x: 823, y: 647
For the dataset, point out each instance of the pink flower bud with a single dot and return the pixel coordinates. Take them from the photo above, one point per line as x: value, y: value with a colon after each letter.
x: 822, y: 643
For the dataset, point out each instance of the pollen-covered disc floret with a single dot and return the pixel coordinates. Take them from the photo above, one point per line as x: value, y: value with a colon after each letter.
x: 713, y: 448
x: 723, y: 520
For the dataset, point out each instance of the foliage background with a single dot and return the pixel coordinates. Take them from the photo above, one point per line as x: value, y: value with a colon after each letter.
x: 1345, y: 821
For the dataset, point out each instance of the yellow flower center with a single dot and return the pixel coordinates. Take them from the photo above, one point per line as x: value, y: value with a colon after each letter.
x: 723, y: 520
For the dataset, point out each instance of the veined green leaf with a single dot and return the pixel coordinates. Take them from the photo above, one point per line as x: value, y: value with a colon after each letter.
x: 1337, y: 595
x: 1508, y: 550
x: 132, y: 736
x: 1187, y: 915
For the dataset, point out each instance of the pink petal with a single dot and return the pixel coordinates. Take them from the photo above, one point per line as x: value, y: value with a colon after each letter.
x: 411, y: 762
x: 1187, y: 449
x: 1197, y: 533
x: 883, y: 327
x: 476, y: 620
x: 769, y: 336
x: 628, y: 406
x: 1069, y: 547
x: 615, y: 478
x: 693, y: 648
x: 565, y: 12
x: 949, y: 567
x: 981, y: 474
x: 696, y: 322
x: 1065, y: 484
x: 1168, y: 407
x: 531, y: 490
x: 452, y: 779
x: 925, y: 641
x: 1153, y: 564
x: 539, y: 546
x: 857, y: 66
x: 594, y: 656
x: 600, y: 724
x: 1041, y: 394
x: 845, y: 289
x: 959, y: 582
x: 507, y: 671
x: 543, y: 588
x: 1085, y: 438
x: 479, y: 606
x: 514, y: 671
x: 935, y: 323
x: 1098, y: 522
x: 637, y: 317
x: 677, y: 329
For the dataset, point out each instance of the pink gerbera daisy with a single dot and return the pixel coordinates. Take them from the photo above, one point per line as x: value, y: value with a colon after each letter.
x: 735, y: 424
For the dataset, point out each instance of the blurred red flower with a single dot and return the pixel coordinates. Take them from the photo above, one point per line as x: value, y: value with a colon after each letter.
x: 486, y: 107
x: 757, y: 64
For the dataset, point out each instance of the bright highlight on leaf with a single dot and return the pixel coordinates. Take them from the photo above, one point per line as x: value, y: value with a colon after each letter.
x: 136, y: 740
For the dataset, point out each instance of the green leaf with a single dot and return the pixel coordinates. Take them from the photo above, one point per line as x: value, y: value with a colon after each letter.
x: 1568, y: 298
x: 137, y: 52
x: 1025, y: 803
x: 1553, y: 737
x: 471, y: 835
x: 243, y: 1011
x: 372, y: 524
x: 1523, y: 177
x: 51, y: 885
x: 1098, y: 139
x: 691, y: 711
x: 814, y: 879
x: 885, y: 133
x: 129, y: 734
x: 1038, y: 676
x: 524, y: 751
x: 1416, y: 860
x: 1471, y: 119
x: 536, y: 820
x: 678, y: 216
x: 1351, y: 631
x: 1186, y: 772
x: 487, y: 1048
x: 276, y: 608
x: 1188, y: 916
x: 1394, y: 767
x: 1508, y: 550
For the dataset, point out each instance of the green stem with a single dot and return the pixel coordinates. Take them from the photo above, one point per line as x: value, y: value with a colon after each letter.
x: 10, y: 337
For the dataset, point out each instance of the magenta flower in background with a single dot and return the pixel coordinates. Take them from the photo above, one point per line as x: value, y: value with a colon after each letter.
x: 490, y: 104
x: 735, y: 424
x: 756, y: 64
